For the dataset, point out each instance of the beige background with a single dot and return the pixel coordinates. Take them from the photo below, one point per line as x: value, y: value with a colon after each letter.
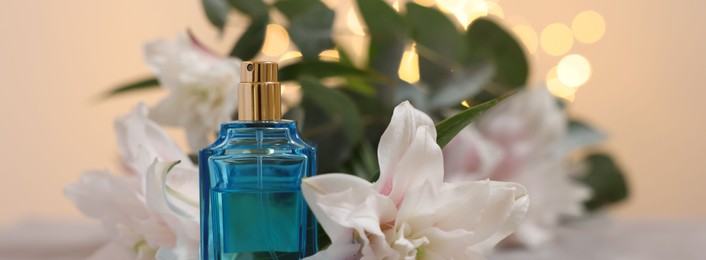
x: 648, y: 90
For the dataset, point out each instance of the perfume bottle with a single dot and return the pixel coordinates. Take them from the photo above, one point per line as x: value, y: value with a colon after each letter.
x: 250, y: 179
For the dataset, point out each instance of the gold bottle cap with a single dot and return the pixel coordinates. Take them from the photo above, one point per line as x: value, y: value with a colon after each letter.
x: 259, y: 92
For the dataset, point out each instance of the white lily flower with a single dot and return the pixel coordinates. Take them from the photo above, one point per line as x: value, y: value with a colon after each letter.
x: 136, y: 133
x: 201, y: 85
x: 410, y: 213
x: 516, y: 141
x: 144, y: 221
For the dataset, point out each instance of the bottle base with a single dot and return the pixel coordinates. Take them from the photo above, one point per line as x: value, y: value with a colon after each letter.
x: 262, y: 256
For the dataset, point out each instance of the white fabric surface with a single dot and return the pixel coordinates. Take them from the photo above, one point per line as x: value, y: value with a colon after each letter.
x: 44, y: 240
x: 599, y: 238
x: 621, y: 240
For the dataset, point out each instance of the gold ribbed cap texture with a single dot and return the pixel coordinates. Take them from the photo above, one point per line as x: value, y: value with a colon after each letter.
x: 259, y: 92
x: 258, y: 71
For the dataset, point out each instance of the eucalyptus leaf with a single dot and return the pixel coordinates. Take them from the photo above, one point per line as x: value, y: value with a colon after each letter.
x: 295, y: 114
x: 434, y: 74
x: 375, y: 116
x: 142, y: 84
x: 357, y: 84
x: 216, y: 12
x: 437, y: 37
x: 606, y: 180
x: 383, y: 22
x: 450, y: 127
x: 332, y: 121
x: 388, y: 31
x: 294, y: 8
x: 462, y: 86
x: 252, y: 39
x: 363, y: 163
x: 253, y: 8
x: 417, y: 94
x: 485, y: 39
x: 580, y: 135
x: 310, y: 26
x: 320, y: 69
x: 385, y: 59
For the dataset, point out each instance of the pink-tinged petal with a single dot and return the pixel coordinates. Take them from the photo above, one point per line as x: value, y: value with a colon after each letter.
x: 407, y: 241
x: 422, y: 162
x: 200, y: 46
x: 470, y: 156
x: 337, y: 251
x: 528, y: 126
x: 319, y: 187
x: 396, y: 139
x: 446, y: 244
x: 362, y: 210
x: 350, y: 211
x: 377, y: 247
x: 506, y: 209
x: 418, y: 208
x: 460, y: 205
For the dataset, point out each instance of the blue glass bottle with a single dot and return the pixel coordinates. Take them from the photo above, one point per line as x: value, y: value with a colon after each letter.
x: 251, y: 202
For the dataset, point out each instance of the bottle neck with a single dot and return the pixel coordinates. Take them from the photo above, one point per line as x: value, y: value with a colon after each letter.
x: 259, y: 101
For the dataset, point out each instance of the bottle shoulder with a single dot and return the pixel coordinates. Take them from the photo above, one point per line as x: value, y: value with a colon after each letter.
x: 257, y: 137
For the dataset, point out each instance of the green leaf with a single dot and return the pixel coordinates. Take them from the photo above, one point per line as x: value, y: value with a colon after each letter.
x: 447, y: 129
x: 332, y: 121
x: 437, y: 37
x: 253, y: 8
x: 323, y: 240
x: 375, y: 116
x: 440, y: 45
x: 606, y: 180
x: 580, y: 135
x: 310, y: 24
x: 363, y: 163
x: 294, y: 8
x: 487, y: 40
x: 320, y: 69
x: 354, y: 83
x: 417, y: 94
x: 388, y: 31
x: 252, y: 39
x: 142, y: 84
x: 383, y: 22
x: 216, y: 12
x: 461, y: 86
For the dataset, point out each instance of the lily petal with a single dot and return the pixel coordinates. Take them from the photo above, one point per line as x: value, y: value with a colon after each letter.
x: 422, y: 162
x: 136, y: 131
x: 397, y: 138
x: 446, y: 244
x: 507, y: 208
x: 460, y: 205
x: 316, y: 188
x: 94, y: 196
x: 470, y: 156
x: 337, y: 251
x: 164, y: 199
